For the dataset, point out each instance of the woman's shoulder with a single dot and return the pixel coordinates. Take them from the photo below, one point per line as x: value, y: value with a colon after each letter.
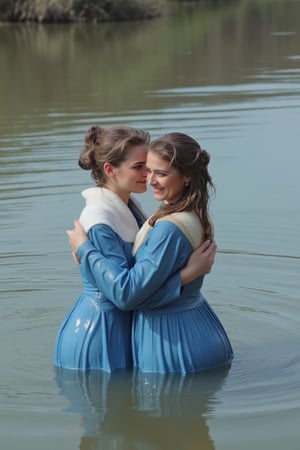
x: 189, y: 224
x: 106, y: 208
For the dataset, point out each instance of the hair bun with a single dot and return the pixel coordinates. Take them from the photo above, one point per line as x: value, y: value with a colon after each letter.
x: 93, y: 135
x: 204, y: 157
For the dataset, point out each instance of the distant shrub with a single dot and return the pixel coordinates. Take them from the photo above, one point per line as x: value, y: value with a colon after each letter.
x: 79, y: 10
x: 105, y: 10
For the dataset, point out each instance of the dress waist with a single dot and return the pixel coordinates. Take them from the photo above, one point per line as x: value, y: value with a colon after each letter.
x: 179, y: 305
x: 99, y: 298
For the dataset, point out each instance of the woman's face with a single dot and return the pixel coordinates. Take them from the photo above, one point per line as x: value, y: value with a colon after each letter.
x: 166, y: 181
x: 131, y: 175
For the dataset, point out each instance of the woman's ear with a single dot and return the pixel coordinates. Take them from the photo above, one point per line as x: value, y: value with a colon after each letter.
x: 108, y: 169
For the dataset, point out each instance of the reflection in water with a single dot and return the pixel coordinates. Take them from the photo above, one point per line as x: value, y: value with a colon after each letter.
x: 127, y: 411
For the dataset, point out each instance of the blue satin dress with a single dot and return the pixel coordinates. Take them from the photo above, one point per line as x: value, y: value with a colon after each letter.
x: 178, y: 332
x: 95, y: 333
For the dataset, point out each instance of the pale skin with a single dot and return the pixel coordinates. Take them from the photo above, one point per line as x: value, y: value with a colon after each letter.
x: 167, y: 185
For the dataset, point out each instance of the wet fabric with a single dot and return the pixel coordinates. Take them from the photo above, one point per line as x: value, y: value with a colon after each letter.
x: 175, y: 333
x: 95, y: 334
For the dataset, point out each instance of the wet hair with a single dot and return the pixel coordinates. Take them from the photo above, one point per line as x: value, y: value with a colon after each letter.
x: 185, y: 154
x: 109, y: 145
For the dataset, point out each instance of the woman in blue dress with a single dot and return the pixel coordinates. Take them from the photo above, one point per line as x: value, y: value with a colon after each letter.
x: 182, y: 333
x: 95, y: 334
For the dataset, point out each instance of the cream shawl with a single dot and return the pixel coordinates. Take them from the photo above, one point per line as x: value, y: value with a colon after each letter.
x: 187, y: 221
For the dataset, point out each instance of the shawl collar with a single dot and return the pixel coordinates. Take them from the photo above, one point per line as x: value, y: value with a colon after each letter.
x: 105, y: 207
x: 187, y: 222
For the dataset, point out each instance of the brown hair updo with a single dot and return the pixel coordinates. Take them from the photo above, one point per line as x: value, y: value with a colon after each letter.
x: 185, y: 154
x: 109, y: 145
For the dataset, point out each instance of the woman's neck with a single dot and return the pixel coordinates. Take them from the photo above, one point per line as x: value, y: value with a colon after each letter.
x: 124, y: 196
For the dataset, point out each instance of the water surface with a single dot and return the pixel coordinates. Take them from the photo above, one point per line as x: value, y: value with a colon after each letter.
x: 230, y: 77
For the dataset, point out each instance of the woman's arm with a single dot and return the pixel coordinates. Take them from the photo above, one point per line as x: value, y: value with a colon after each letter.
x: 199, y: 263
x: 154, y: 274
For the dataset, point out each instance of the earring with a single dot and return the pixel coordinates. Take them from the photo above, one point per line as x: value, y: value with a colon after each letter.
x: 186, y: 184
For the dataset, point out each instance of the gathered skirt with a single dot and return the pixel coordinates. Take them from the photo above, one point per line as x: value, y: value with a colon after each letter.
x: 185, y: 341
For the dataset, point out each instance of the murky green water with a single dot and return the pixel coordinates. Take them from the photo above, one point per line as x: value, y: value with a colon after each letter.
x: 230, y: 77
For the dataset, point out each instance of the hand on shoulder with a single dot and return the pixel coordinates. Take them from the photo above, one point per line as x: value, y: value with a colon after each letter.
x: 200, y: 262
x: 76, y: 237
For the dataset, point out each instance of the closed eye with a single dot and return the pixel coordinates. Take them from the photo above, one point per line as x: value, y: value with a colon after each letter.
x: 138, y: 166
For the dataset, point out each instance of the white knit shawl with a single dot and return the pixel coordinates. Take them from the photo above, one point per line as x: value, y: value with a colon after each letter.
x: 105, y: 207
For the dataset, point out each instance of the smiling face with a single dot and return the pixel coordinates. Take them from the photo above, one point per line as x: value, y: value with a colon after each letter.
x: 166, y: 181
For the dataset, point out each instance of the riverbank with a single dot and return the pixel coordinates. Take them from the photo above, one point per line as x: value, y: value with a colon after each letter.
x: 56, y: 11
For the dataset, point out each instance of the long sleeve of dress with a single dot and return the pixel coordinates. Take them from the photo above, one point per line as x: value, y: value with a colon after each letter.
x: 106, y: 241
x: 155, y: 273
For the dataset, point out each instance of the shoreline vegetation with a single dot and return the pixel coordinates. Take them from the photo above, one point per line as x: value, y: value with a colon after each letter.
x: 67, y: 11
x: 93, y: 11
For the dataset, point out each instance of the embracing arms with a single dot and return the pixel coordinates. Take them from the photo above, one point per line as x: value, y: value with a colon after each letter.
x: 156, y: 273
